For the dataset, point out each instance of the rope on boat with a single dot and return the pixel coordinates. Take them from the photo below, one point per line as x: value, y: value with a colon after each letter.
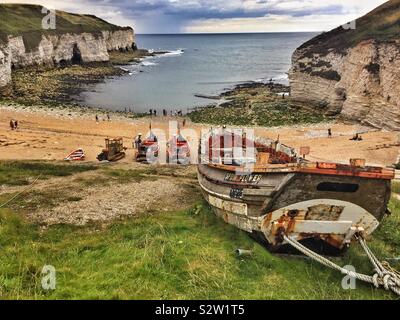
x: 385, y: 276
x: 21, y: 192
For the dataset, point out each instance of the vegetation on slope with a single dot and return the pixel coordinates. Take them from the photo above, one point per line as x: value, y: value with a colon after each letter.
x: 177, y: 255
x: 381, y: 24
x: 186, y: 254
x: 257, y: 105
x: 60, y: 86
x: 26, y: 20
x: 16, y: 173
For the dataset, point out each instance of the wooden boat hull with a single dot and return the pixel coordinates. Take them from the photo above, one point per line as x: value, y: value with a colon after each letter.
x: 305, y: 205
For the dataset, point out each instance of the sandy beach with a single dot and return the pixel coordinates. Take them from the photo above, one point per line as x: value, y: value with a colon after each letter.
x: 51, y: 134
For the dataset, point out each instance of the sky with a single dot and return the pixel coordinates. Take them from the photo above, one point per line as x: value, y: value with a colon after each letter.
x: 219, y: 16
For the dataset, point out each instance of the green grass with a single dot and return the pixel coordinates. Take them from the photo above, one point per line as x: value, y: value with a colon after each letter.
x: 396, y: 187
x: 23, y: 173
x: 381, y: 24
x: 270, y: 114
x: 178, y: 255
x: 26, y: 20
x: 185, y: 254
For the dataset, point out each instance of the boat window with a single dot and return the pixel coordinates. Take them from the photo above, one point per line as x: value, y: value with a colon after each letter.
x: 338, y: 187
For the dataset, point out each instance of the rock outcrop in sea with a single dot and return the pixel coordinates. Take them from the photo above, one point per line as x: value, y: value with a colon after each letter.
x: 354, y: 72
x: 77, y: 38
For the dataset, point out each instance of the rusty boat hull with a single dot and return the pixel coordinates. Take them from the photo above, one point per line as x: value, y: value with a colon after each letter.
x: 323, y: 202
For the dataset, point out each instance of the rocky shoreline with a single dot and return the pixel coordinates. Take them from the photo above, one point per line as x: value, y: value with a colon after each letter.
x: 257, y: 104
x: 59, y: 87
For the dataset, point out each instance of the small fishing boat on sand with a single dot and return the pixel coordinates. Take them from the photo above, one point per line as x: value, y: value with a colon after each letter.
x: 273, y: 194
x: 148, y: 150
x: 178, y: 150
x: 77, y: 155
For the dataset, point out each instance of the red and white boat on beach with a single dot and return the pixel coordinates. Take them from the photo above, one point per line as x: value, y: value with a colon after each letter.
x: 77, y: 155
x: 178, y: 150
x: 149, y: 149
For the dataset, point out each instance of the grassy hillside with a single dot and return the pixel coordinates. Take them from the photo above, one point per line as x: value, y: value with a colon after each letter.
x: 381, y: 24
x: 26, y: 20
x: 178, y: 254
x: 20, y: 18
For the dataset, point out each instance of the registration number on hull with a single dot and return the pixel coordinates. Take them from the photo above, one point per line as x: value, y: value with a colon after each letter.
x: 249, y: 178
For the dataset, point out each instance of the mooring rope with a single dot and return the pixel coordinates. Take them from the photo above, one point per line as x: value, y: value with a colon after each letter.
x: 385, y: 275
x: 21, y: 192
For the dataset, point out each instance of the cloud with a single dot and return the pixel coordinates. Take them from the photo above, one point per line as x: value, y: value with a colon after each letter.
x: 170, y: 16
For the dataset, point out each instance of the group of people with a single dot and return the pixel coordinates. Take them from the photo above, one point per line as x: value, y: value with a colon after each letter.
x: 356, y: 137
x: 172, y: 113
x: 13, y: 124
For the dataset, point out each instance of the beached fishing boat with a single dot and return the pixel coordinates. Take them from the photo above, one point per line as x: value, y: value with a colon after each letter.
x: 77, y: 155
x: 178, y: 150
x: 264, y: 188
x: 148, y: 150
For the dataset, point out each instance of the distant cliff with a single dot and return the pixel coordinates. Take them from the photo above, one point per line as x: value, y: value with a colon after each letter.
x: 77, y: 38
x: 354, y: 72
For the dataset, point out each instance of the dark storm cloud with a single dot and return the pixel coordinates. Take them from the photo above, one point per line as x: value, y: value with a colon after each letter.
x: 215, y: 9
x: 206, y: 13
x: 172, y: 16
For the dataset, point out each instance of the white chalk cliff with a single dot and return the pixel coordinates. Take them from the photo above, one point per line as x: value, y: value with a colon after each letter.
x: 354, y: 73
x: 59, y: 47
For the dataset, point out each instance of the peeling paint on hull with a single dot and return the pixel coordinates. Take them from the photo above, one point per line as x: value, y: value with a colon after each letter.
x: 298, y: 204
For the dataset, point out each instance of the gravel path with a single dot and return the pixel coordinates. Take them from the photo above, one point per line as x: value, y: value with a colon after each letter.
x: 115, y: 201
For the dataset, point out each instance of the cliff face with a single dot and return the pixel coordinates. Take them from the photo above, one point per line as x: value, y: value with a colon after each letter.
x: 52, y: 48
x: 354, y: 73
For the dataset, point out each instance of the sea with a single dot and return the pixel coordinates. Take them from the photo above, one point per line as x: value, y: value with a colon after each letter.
x: 195, y: 64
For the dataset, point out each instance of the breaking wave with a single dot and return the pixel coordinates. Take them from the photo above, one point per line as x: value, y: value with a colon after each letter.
x: 148, y: 63
x: 178, y: 52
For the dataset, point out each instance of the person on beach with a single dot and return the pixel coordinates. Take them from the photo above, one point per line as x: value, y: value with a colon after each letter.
x: 97, y: 118
x: 151, y: 112
x: 16, y: 124
x: 108, y: 117
x: 12, y: 125
x: 184, y: 123
x: 155, y: 113
x: 329, y: 133
x: 138, y: 141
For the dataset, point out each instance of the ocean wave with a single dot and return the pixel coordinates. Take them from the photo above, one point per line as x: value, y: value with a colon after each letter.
x: 148, y: 63
x: 178, y: 52
x: 282, y: 78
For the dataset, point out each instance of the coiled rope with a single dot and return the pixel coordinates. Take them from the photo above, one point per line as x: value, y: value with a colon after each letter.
x: 384, y: 276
